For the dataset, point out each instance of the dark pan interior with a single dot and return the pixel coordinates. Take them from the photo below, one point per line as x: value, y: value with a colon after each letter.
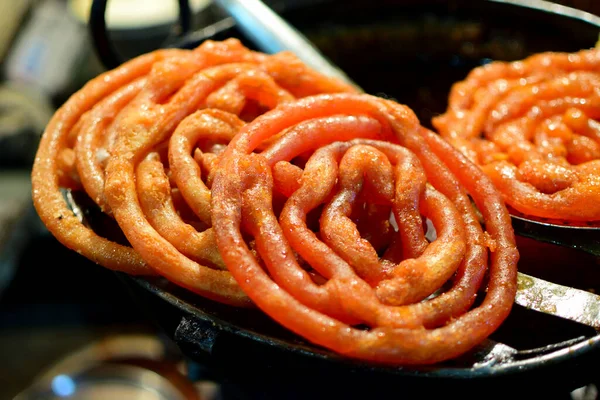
x: 412, y: 52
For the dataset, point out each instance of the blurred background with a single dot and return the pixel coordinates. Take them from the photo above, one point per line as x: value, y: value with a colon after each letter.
x: 53, y: 302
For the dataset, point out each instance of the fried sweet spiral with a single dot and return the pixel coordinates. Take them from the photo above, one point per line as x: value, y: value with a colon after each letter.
x: 140, y: 140
x: 364, y: 294
x: 252, y: 180
x: 532, y: 126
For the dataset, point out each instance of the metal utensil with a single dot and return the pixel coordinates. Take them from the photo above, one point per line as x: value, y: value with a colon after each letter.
x: 273, y: 34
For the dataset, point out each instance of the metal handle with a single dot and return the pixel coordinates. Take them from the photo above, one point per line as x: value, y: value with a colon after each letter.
x: 272, y: 34
x: 99, y: 33
x: 561, y: 301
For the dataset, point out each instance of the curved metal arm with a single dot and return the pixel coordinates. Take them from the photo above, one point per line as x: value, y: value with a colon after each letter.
x: 273, y: 34
x: 99, y: 33
x: 586, y: 239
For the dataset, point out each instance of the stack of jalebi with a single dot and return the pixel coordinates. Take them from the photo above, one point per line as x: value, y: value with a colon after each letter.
x: 532, y: 126
x: 253, y: 180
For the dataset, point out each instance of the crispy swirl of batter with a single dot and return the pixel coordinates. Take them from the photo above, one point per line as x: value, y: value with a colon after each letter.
x: 252, y: 180
x: 532, y: 126
x: 132, y: 138
x: 371, y: 155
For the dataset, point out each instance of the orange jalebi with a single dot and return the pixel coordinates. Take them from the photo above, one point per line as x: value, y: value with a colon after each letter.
x: 532, y: 126
x: 111, y: 139
x: 419, y: 176
x: 251, y: 179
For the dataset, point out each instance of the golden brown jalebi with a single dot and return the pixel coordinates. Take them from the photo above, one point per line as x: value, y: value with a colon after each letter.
x: 386, y: 160
x: 250, y: 178
x: 112, y: 139
x: 532, y: 126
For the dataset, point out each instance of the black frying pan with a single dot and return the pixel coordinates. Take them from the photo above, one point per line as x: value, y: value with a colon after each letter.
x: 411, y: 51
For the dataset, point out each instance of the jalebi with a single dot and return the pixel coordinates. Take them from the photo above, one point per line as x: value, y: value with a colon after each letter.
x: 251, y: 179
x: 395, y: 164
x: 112, y: 139
x: 532, y: 126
